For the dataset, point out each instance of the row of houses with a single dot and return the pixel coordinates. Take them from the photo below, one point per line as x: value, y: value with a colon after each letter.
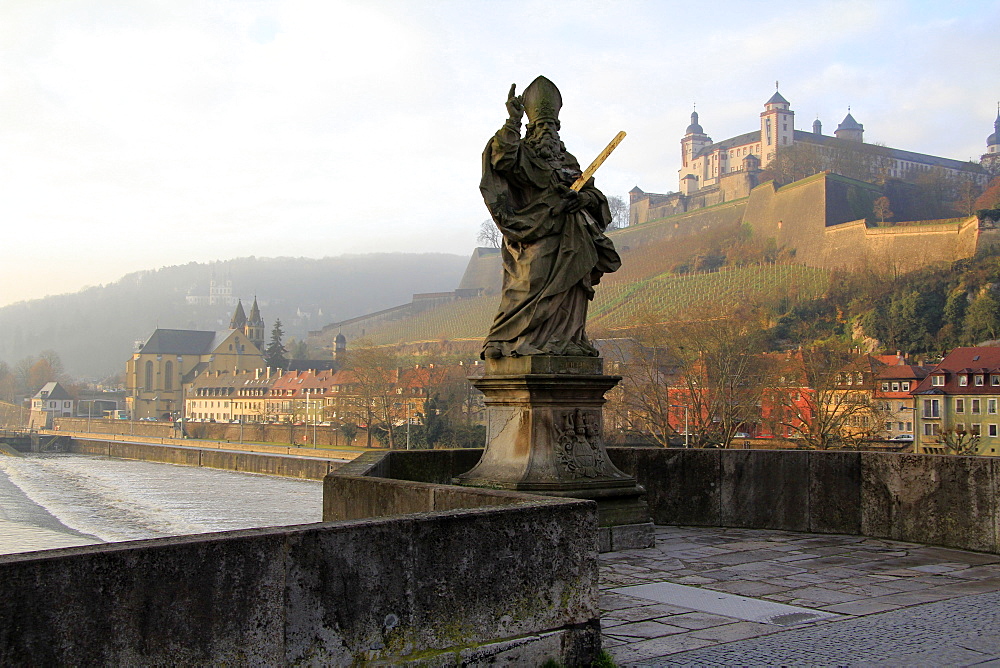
x: 826, y: 398
x: 311, y: 396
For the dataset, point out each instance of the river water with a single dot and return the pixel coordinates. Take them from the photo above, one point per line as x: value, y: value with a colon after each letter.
x: 63, y: 500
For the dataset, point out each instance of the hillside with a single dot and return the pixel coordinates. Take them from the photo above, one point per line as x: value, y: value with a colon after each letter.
x: 94, y: 330
x: 620, y: 304
x: 667, y: 270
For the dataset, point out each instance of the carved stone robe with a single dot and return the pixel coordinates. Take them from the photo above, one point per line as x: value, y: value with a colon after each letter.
x: 551, y: 261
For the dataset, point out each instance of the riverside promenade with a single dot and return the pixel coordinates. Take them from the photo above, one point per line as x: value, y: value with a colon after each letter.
x: 729, y: 597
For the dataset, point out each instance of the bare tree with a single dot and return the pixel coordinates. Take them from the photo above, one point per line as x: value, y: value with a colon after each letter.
x: 375, y: 399
x: 827, y: 399
x: 707, y: 374
x: 489, y: 234
x: 640, y: 405
x: 619, y: 212
x: 881, y: 208
x: 968, y: 191
x: 959, y: 442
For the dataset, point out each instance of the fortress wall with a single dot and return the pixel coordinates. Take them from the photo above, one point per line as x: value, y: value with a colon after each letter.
x: 483, y: 271
x: 679, y: 225
x: 819, y: 218
x: 853, y: 245
x: 793, y: 215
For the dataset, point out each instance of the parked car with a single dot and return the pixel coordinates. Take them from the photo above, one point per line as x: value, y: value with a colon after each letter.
x: 902, y: 437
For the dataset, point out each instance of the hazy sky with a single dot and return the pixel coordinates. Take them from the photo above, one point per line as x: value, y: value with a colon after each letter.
x: 136, y: 134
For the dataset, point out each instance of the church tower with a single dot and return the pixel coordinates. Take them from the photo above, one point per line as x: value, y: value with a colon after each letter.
x: 991, y: 159
x: 777, y: 127
x: 239, y: 319
x: 254, y: 329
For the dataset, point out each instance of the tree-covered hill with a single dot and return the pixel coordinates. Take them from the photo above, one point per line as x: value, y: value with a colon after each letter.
x: 94, y: 330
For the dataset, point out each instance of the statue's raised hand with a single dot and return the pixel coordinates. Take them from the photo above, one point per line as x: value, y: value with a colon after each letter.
x: 515, y: 105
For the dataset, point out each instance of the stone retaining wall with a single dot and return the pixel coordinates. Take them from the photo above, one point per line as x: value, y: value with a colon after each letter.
x: 516, y: 584
x: 297, y: 435
x: 931, y: 499
x: 312, y: 468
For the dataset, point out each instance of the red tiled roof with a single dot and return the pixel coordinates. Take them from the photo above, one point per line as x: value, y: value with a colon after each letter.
x: 970, y: 361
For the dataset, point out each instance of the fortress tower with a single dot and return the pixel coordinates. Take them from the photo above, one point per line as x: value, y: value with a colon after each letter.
x: 777, y: 127
x: 991, y: 159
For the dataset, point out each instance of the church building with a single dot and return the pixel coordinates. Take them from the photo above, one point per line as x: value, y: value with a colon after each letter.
x: 160, y: 371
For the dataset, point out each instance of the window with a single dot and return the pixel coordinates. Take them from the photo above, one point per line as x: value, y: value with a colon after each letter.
x: 979, y: 380
x: 909, y: 426
x: 960, y: 427
x: 168, y: 376
x: 888, y: 426
x: 975, y: 429
x: 976, y: 405
x: 931, y: 429
x: 937, y: 381
x: 932, y: 408
x: 149, y: 376
x: 995, y: 380
x: 963, y: 380
x: 959, y: 405
x: 895, y: 387
x: 991, y: 406
x: 885, y: 387
x: 991, y: 430
x: 905, y: 386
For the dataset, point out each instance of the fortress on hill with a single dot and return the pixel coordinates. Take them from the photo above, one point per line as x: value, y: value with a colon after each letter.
x: 821, y: 220
x: 716, y: 172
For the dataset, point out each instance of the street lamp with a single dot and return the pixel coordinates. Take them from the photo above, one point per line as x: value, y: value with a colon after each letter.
x: 686, y: 429
x: 408, y: 407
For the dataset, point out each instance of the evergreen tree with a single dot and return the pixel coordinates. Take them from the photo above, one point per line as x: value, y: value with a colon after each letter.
x: 275, y: 355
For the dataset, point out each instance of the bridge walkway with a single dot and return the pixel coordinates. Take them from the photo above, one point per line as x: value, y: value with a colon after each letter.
x: 711, y: 596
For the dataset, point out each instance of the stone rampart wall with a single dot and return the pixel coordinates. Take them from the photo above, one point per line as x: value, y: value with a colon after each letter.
x: 853, y: 245
x: 729, y: 213
x: 311, y: 467
x: 931, y: 499
x: 515, y: 585
x: 297, y: 435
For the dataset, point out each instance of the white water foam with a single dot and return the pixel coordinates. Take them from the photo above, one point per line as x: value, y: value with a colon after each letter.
x: 115, y: 500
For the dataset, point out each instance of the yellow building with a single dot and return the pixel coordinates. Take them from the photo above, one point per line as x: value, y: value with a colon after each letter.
x: 162, y: 369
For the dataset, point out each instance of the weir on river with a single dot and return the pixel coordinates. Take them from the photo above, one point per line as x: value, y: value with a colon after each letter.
x: 61, y: 500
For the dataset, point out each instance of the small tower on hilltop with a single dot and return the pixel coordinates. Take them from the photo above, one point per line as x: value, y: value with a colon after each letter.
x: 694, y: 140
x: 777, y: 127
x: 255, y: 326
x: 991, y: 159
x: 850, y: 129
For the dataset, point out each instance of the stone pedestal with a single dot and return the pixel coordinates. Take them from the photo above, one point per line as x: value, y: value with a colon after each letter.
x: 545, y: 435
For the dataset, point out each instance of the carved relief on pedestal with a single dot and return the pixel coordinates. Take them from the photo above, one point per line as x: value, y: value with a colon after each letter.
x: 578, y: 444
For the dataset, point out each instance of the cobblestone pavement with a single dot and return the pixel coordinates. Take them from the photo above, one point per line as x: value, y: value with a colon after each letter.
x: 895, y: 603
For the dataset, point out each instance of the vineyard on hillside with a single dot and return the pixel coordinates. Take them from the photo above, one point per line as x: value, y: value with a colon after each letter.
x: 669, y: 296
x: 621, y: 304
